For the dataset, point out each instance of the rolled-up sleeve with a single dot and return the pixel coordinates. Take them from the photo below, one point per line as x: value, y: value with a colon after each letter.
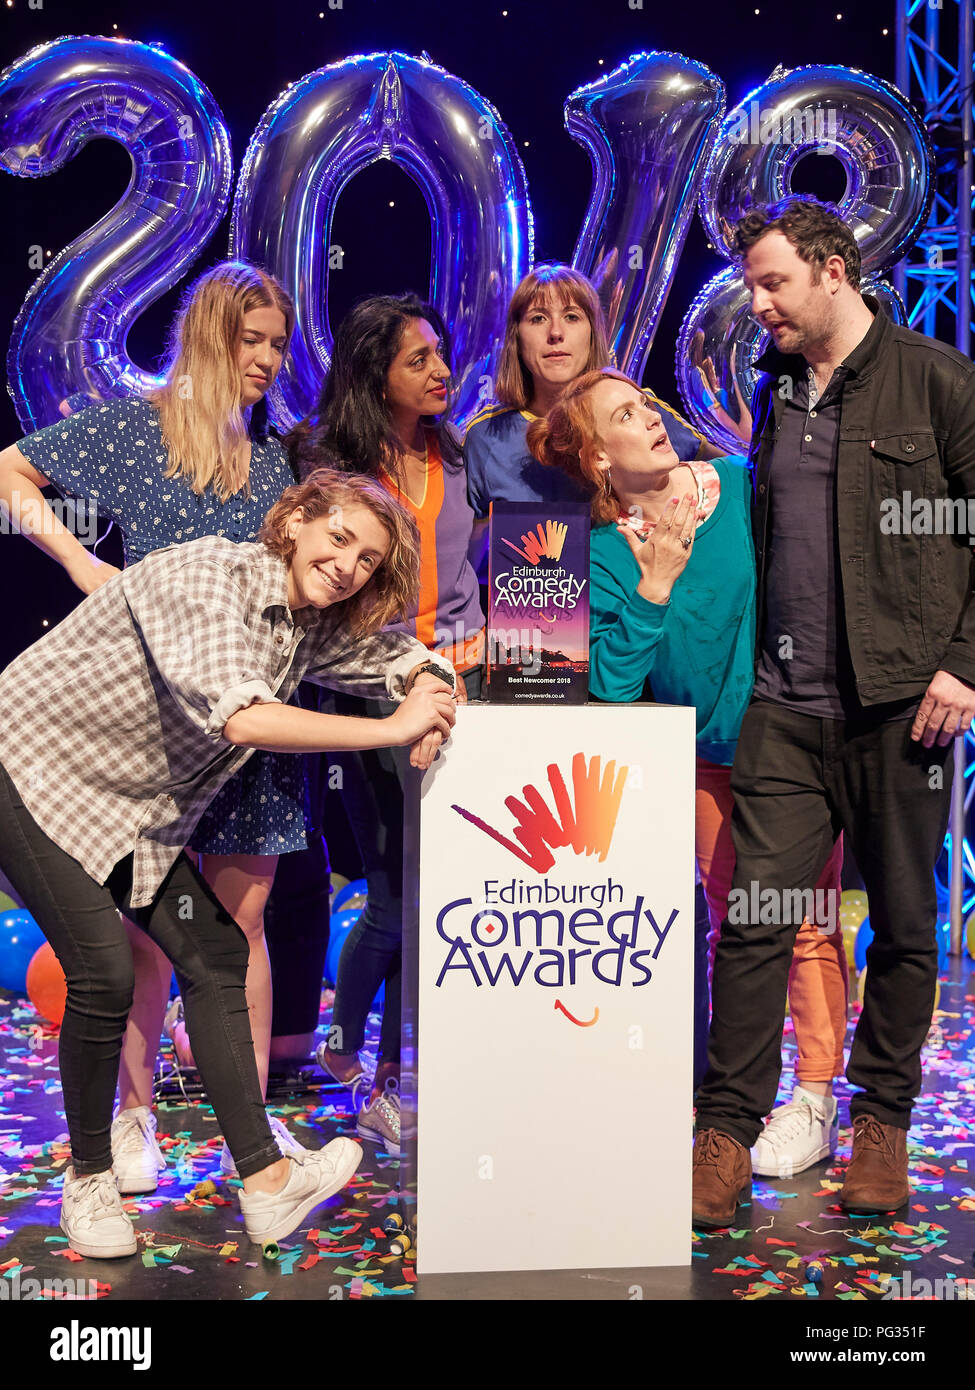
x: 375, y: 667
x: 238, y: 698
x: 192, y: 618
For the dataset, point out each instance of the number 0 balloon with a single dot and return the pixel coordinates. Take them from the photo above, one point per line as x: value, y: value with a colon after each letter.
x: 328, y: 127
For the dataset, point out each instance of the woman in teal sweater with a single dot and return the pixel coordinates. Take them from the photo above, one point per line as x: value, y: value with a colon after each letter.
x: 672, y: 605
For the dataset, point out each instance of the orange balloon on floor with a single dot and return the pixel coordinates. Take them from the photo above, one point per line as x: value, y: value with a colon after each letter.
x: 46, y: 987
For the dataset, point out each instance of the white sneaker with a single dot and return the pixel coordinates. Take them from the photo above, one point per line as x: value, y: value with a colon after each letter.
x: 287, y: 1143
x: 92, y: 1217
x: 313, y: 1177
x: 380, y: 1122
x: 796, y: 1136
x: 136, y: 1157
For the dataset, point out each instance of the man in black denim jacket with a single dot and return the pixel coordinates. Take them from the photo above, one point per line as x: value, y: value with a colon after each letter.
x: 863, y: 456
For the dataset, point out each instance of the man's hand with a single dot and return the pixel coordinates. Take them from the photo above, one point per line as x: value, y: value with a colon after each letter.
x: 946, y: 710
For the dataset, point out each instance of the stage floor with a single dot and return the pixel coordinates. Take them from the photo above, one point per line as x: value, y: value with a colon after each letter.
x: 196, y: 1249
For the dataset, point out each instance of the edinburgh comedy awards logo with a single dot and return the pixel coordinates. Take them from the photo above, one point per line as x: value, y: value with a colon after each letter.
x: 557, y: 929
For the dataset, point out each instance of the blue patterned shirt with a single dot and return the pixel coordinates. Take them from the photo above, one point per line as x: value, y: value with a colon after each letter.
x: 114, y: 455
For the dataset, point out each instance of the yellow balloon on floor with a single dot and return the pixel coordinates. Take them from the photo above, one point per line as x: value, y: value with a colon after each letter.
x: 850, y: 930
x: 969, y: 935
x: 853, y: 906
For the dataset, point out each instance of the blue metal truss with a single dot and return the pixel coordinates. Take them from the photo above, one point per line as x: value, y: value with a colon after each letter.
x: 936, y: 70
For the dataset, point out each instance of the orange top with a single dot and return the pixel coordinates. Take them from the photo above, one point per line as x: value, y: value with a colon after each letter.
x: 448, y: 616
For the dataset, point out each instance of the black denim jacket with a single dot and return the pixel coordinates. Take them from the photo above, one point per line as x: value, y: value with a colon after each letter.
x: 906, y: 449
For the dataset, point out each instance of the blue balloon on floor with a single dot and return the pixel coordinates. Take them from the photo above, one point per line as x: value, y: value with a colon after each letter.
x: 356, y: 889
x: 20, y: 937
x: 339, y: 928
x: 864, y: 938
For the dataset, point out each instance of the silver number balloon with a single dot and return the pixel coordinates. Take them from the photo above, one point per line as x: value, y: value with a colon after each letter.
x: 332, y: 124
x: 718, y: 342
x: 70, y: 333
x: 822, y: 109
x: 648, y: 127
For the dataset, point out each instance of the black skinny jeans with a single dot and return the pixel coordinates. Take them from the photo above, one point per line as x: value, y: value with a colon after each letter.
x: 208, y: 950
x: 374, y: 783
x: 798, y: 781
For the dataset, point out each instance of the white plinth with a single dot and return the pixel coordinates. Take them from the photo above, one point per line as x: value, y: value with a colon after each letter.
x: 554, y: 1057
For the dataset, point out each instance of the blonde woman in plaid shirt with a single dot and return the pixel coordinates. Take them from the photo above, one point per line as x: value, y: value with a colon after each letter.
x: 120, y: 727
x: 195, y: 458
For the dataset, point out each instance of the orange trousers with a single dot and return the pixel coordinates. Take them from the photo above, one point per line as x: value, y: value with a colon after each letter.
x: 819, y: 978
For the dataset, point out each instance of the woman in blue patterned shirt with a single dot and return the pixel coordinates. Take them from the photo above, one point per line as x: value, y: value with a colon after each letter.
x: 193, y: 458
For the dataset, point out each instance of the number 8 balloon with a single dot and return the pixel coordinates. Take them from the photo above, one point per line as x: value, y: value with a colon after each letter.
x: 71, y: 330
x: 324, y: 130
x: 883, y: 147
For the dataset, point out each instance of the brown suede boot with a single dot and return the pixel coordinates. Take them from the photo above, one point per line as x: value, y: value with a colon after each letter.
x: 876, y: 1179
x: 721, y: 1177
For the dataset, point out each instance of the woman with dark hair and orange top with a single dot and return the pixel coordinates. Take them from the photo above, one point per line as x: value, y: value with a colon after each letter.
x: 382, y: 413
x: 193, y: 458
x: 672, y: 601
x: 203, y: 644
x: 555, y: 331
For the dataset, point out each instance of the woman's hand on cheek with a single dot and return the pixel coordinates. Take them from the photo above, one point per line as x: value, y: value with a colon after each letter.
x: 664, y: 554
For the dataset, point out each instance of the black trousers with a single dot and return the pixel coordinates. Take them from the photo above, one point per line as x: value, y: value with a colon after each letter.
x: 297, y: 912
x: 81, y: 920
x: 797, y: 782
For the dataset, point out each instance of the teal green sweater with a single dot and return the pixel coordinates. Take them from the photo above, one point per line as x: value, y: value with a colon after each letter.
x: 698, y: 649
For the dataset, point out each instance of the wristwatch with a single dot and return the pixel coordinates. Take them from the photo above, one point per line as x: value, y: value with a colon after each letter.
x: 439, y: 671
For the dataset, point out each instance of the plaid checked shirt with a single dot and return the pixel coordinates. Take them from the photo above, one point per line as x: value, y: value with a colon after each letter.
x: 112, y: 727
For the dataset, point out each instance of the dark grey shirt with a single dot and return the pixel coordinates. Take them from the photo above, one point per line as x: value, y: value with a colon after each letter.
x: 805, y: 661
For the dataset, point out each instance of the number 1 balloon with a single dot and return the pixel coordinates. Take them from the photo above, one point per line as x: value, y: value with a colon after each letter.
x: 648, y: 127
x: 70, y: 333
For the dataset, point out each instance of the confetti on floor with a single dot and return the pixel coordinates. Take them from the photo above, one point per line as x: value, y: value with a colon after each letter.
x: 791, y: 1241
x: 798, y: 1229
x: 191, y: 1238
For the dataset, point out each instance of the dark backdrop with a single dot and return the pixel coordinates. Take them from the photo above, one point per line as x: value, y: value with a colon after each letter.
x: 525, y: 56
